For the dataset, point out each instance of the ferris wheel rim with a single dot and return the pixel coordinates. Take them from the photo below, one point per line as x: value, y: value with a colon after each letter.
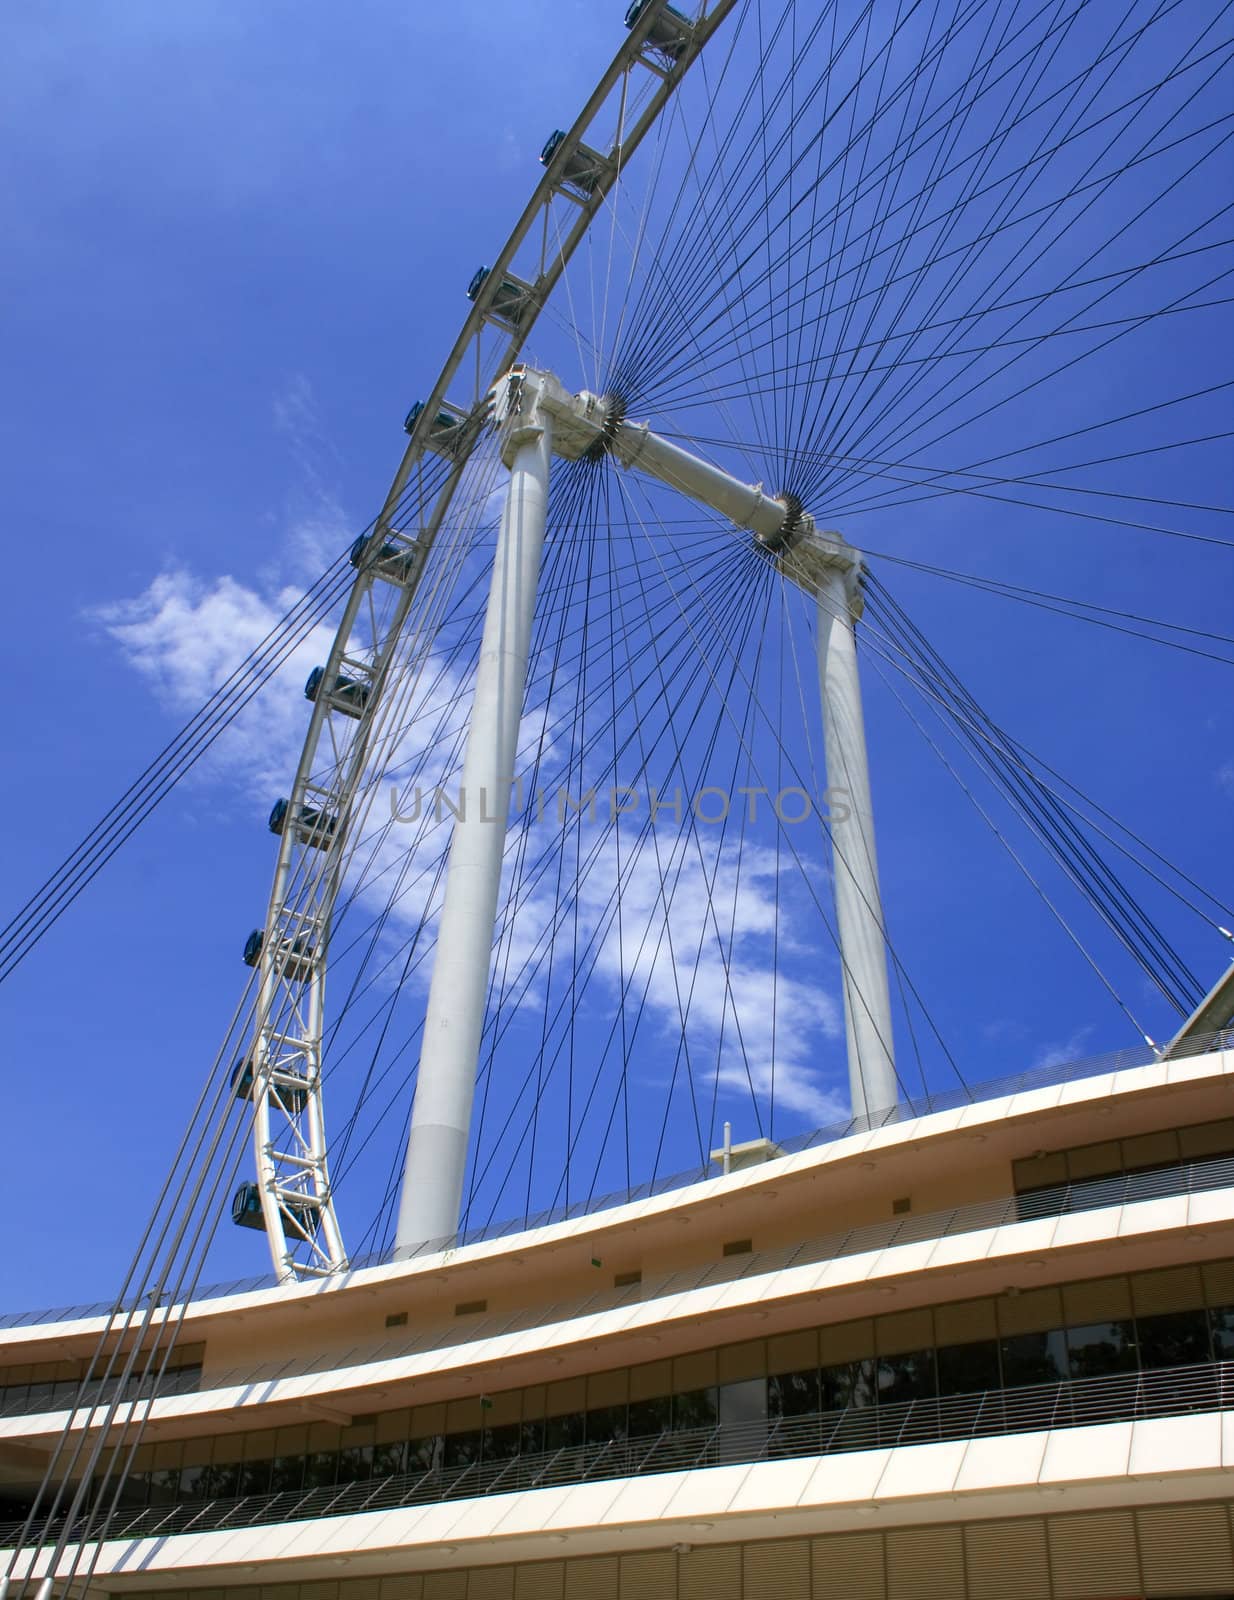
x: 300, y: 1219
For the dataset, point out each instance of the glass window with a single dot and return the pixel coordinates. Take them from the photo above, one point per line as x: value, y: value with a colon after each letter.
x: 1035, y: 1358
x: 389, y: 1460
x: 500, y: 1444
x: 650, y: 1416
x: 1173, y: 1339
x: 355, y: 1463
x: 967, y: 1368
x: 851, y: 1383
x: 906, y: 1377
x: 425, y: 1455
x: 606, y: 1422
x: 462, y: 1448
x: 1099, y: 1348
x: 696, y: 1408
x: 531, y: 1434
x: 793, y: 1394
x: 743, y: 1403
x: 254, y: 1477
x: 320, y: 1469
x: 287, y: 1474
x: 565, y: 1431
x: 224, y: 1479
x: 1221, y: 1319
x: 195, y: 1481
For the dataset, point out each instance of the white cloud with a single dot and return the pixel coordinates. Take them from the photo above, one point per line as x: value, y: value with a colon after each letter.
x: 1069, y: 1049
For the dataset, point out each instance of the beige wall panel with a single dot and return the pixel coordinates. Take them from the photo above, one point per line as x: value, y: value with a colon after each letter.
x: 543, y: 1580
x: 925, y: 1564
x: 592, y: 1578
x: 780, y: 1567
x: 1007, y: 1560
x: 1093, y: 1556
x: 849, y: 1566
x: 1186, y: 1549
x: 649, y: 1575
x: 713, y: 1574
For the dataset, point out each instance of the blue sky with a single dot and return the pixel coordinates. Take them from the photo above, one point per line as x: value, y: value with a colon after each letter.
x: 237, y: 241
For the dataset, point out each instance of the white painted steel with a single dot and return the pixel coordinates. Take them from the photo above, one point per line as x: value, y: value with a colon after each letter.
x: 744, y: 504
x: 287, y: 1030
x: 859, y: 906
x: 441, y: 1117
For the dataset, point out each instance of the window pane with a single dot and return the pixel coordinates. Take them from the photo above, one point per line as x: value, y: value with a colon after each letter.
x: 793, y: 1394
x: 287, y: 1476
x: 1222, y: 1322
x: 500, y: 1444
x: 1173, y: 1339
x: 224, y: 1479
x: 650, y: 1416
x: 1102, y: 1347
x: 906, y: 1377
x: 696, y: 1408
x: 967, y: 1368
x: 195, y: 1482
x: 320, y: 1469
x: 562, y: 1433
x: 1035, y: 1358
x: 254, y: 1477
x: 606, y: 1422
x: 423, y: 1455
x: 355, y: 1464
x: 462, y: 1448
x: 388, y: 1459
x: 849, y: 1384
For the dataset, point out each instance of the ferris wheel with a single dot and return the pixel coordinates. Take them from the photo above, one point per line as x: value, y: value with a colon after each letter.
x: 776, y: 245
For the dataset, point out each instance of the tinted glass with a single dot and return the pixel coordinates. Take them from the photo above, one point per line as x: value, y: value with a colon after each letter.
x: 423, y: 1455
x: 254, y: 1477
x: 695, y: 1409
x: 852, y: 1383
x: 225, y: 1479
x: 320, y: 1469
x: 906, y: 1377
x: 562, y: 1433
x: 1035, y: 1358
x: 388, y: 1459
x: 195, y: 1481
x: 1221, y: 1319
x: 288, y: 1474
x: 164, y: 1485
x: 1173, y: 1339
x: 650, y: 1416
x: 355, y: 1464
x: 1102, y: 1347
x: 793, y: 1394
x: 606, y: 1422
x: 502, y: 1443
x: 462, y: 1448
x: 966, y: 1368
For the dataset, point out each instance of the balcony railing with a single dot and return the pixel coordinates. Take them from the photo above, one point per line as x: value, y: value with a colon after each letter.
x: 1192, y: 1177
x: 922, y: 1106
x: 1121, y: 1397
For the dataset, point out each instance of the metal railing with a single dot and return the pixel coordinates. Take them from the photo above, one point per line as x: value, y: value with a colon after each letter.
x: 908, y: 1110
x: 1184, y: 1178
x: 1075, y: 1403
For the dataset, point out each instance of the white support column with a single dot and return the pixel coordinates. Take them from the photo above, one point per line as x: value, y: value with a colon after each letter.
x: 859, y: 907
x: 437, y: 1148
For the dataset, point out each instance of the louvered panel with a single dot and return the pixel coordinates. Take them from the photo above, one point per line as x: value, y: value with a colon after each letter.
x: 445, y: 1586
x: 318, y: 1591
x: 490, y: 1583
x: 541, y: 1580
x: 1007, y: 1560
x: 358, y: 1589
x: 1093, y: 1556
x: 403, y: 1586
x: 1174, y: 1289
x: 849, y: 1566
x: 780, y: 1568
x: 925, y: 1564
x: 1219, y: 1282
x: 649, y: 1575
x: 1186, y: 1549
x: 591, y: 1578
x: 711, y: 1574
